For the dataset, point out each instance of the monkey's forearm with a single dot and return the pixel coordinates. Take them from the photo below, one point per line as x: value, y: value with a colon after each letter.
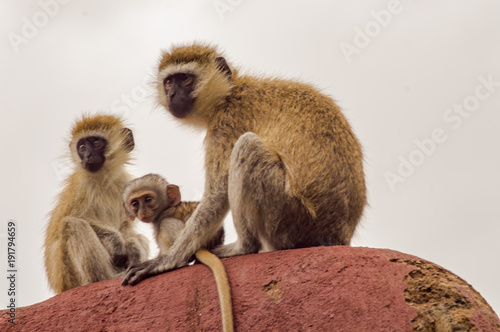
x: 200, y: 228
x: 136, y: 245
x: 112, y: 240
x: 137, y: 249
x: 204, y: 223
x: 124, y: 247
x: 116, y: 247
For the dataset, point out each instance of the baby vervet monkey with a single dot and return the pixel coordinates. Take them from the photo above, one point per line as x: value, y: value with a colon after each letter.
x: 153, y: 200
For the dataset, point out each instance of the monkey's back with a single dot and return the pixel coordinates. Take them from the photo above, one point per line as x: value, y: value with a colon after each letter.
x: 323, y: 157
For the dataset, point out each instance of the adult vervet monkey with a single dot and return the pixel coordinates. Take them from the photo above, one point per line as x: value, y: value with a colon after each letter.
x: 278, y: 153
x: 89, y: 238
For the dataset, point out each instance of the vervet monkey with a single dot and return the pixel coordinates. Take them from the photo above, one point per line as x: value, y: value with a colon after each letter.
x: 279, y: 154
x: 88, y: 237
x: 153, y: 200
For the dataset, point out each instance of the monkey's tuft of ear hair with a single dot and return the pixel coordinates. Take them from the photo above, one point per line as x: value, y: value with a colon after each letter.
x: 224, y: 67
x: 128, y: 140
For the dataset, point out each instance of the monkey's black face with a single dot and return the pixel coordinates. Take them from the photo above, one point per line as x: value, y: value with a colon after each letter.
x: 91, y: 151
x: 178, y: 89
x: 144, y: 206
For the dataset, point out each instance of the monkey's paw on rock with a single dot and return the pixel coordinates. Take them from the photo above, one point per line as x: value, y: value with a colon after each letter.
x: 312, y: 289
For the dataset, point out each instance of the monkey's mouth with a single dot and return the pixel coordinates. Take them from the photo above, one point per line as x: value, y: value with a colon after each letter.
x: 179, y: 113
x: 92, y: 167
x: 180, y: 109
x: 93, y: 163
x: 147, y: 219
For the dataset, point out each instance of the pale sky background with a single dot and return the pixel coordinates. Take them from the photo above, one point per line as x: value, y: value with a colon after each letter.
x: 418, y: 80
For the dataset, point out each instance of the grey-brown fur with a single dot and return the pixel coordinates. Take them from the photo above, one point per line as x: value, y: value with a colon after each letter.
x: 169, y: 220
x: 88, y: 238
x: 278, y: 153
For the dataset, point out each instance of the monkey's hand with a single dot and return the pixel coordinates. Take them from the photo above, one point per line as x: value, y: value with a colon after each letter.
x: 139, y: 272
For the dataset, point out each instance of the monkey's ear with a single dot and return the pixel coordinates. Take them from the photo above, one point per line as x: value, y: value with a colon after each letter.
x: 129, y: 139
x: 174, y: 195
x: 224, y: 67
x: 130, y: 215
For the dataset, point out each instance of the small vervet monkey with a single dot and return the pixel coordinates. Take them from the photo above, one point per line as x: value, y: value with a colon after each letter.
x: 152, y: 199
x: 88, y: 237
x: 279, y: 154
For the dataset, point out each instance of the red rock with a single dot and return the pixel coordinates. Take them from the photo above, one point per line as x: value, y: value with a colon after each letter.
x: 313, y: 289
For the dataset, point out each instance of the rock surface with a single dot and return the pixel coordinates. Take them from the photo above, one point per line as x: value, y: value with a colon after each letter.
x: 312, y: 289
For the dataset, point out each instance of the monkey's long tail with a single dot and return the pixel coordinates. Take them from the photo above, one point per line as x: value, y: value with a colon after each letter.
x: 222, y: 282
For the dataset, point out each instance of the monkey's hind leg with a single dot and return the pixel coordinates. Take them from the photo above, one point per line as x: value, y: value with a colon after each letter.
x: 257, y: 197
x: 89, y: 259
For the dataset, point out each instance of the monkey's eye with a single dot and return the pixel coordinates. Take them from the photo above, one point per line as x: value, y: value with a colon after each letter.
x: 167, y: 83
x: 148, y: 199
x: 82, y: 148
x: 186, y: 79
x: 98, y: 145
x: 135, y: 203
